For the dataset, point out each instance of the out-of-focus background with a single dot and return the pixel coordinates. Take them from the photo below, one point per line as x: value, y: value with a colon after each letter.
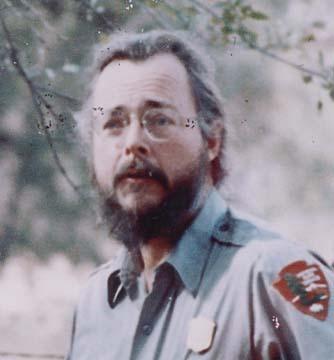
x: 275, y: 70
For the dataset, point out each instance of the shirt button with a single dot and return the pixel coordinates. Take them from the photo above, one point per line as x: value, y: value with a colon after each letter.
x: 147, y: 329
x: 225, y: 227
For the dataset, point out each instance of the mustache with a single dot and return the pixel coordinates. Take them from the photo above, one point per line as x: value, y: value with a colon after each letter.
x: 141, y: 168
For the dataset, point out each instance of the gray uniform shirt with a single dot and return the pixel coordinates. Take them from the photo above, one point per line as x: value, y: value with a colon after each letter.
x: 229, y: 290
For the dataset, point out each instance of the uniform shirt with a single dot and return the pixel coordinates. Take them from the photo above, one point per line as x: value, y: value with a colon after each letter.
x: 230, y: 289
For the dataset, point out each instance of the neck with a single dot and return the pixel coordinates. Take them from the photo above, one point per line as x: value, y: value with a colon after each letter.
x: 156, y: 250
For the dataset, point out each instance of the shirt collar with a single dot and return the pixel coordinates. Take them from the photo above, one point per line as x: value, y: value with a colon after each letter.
x: 191, y: 253
x: 213, y: 223
x: 189, y: 256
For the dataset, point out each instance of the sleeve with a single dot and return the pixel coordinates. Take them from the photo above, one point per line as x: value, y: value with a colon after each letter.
x: 293, y: 306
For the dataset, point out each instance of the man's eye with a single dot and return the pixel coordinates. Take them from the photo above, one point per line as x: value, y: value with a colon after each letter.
x: 162, y: 120
x: 159, y: 120
x: 115, y: 123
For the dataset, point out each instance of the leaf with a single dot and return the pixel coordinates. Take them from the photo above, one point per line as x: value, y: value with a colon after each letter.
x: 331, y: 94
x: 152, y: 4
x: 246, y: 10
x: 191, y: 11
x: 249, y: 37
x: 258, y: 15
x: 215, y: 20
x: 307, y: 79
x: 219, y: 5
x: 327, y: 86
x: 319, y: 24
x: 321, y: 58
x: 228, y: 16
x: 308, y: 38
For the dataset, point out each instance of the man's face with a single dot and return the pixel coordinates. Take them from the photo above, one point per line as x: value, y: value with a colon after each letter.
x: 143, y: 146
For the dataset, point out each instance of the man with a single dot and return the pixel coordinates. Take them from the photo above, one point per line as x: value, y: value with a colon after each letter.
x: 194, y: 279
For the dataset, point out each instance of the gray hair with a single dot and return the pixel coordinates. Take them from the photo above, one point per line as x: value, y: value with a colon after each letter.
x: 200, y: 70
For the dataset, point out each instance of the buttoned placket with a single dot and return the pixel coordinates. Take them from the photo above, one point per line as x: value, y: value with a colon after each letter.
x: 163, y: 295
x: 186, y: 264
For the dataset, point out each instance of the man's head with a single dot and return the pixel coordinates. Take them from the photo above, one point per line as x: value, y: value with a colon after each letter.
x: 156, y: 132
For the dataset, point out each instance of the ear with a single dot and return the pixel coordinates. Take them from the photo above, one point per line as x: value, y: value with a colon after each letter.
x: 214, y: 141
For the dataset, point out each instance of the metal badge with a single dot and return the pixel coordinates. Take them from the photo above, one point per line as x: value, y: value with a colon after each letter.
x: 201, y: 334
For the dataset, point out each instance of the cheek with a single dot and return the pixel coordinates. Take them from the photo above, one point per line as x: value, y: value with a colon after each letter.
x: 181, y: 154
x: 104, y: 161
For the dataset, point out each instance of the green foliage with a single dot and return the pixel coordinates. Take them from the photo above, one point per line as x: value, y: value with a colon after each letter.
x: 307, y: 79
x: 231, y: 21
x: 331, y: 93
x: 52, y: 41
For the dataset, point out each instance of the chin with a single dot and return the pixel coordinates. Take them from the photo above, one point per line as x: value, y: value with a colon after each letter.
x: 140, y: 202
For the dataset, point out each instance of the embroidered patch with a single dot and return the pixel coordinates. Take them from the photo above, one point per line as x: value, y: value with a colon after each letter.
x: 306, y: 287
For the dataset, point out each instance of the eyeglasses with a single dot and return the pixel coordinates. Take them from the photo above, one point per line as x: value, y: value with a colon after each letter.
x: 159, y: 124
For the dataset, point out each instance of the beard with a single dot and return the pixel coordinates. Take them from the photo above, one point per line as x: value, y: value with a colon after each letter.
x: 167, y: 219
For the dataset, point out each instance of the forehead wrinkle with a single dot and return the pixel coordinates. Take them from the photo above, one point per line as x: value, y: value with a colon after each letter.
x: 166, y: 100
x: 152, y: 90
x: 132, y: 87
x: 158, y: 82
x: 149, y: 86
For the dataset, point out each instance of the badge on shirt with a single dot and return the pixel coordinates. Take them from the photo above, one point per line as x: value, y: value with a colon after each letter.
x: 201, y: 333
x: 306, y: 287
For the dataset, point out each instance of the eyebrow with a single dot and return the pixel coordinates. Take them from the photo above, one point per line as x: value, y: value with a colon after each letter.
x: 156, y: 104
x: 117, y: 108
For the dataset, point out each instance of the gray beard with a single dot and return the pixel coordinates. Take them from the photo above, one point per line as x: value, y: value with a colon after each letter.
x: 167, y: 220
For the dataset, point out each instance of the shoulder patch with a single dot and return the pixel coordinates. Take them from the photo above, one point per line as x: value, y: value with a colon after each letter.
x: 306, y: 287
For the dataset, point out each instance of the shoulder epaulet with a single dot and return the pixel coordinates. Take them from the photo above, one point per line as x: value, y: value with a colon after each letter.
x: 320, y: 259
x: 235, y: 229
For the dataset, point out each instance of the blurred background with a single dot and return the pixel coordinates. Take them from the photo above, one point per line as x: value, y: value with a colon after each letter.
x: 275, y: 69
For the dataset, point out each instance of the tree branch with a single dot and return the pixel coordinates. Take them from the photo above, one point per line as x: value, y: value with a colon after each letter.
x: 278, y: 58
x: 30, y: 356
x: 156, y: 16
x: 36, y: 13
x: 263, y: 50
x: 109, y: 24
x: 74, y: 102
x: 22, y: 16
x: 35, y: 97
x: 205, y: 8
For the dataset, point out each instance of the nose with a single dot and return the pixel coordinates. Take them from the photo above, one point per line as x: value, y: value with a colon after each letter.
x: 135, y: 143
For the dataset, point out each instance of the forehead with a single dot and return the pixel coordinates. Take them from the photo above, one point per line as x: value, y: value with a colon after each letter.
x: 125, y: 82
